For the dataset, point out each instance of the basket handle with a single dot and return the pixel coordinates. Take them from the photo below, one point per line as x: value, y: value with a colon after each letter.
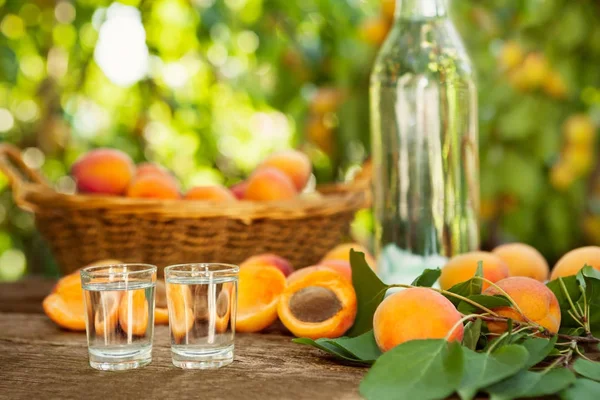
x: 19, y: 175
x: 17, y: 171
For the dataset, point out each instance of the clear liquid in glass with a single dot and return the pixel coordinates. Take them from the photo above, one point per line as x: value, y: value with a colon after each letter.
x: 202, y: 314
x: 424, y: 146
x: 120, y: 324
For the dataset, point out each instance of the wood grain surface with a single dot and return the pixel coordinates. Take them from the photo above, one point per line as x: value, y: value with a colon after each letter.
x: 40, y: 361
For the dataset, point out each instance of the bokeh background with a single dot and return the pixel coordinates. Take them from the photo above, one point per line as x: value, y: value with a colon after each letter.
x: 210, y: 87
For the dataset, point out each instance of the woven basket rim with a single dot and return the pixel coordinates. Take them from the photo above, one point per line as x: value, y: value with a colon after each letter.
x: 32, y: 192
x: 333, y: 199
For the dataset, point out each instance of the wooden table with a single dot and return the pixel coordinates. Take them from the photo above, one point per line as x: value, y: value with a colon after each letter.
x: 40, y: 361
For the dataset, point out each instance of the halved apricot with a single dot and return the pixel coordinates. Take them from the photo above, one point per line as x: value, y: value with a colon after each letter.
x: 161, y: 316
x: 258, y: 294
x: 66, y: 313
x: 341, y: 266
x: 69, y: 286
x: 223, y: 308
x: 107, y: 313
x: 319, y: 303
x: 181, y: 312
x: 133, y: 312
x: 327, y: 265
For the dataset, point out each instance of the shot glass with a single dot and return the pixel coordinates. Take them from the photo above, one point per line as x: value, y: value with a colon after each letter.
x: 119, y: 303
x: 202, y: 302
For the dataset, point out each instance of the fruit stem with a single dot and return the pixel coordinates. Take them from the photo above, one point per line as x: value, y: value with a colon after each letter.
x: 499, y: 340
x: 460, y: 322
x: 566, y: 293
x: 563, y: 358
x: 517, y: 324
x: 577, y: 319
x: 503, y: 292
x: 458, y: 296
x: 580, y: 353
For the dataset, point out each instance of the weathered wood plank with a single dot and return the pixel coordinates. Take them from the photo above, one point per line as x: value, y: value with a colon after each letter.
x: 25, y: 296
x: 38, y: 358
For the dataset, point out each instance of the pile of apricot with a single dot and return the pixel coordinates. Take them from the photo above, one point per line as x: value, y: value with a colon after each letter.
x: 515, y: 270
x: 316, y: 302
x: 281, y: 176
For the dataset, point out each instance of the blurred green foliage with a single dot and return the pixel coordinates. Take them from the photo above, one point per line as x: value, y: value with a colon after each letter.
x: 209, y: 87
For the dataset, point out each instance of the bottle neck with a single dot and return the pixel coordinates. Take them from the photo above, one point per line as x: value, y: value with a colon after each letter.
x: 421, y: 9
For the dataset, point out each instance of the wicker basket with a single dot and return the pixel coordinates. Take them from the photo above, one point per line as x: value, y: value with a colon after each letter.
x: 82, y: 229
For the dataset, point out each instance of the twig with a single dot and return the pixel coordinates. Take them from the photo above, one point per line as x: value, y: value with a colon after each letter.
x: 579, y: 339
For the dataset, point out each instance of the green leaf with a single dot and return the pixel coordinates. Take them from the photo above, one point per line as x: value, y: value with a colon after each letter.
x: 370, y: 291
x: 587, y: 368
x: 582, y: 389
x: 483, y: 369
x: 572, y: 290
x: 591, y: 282
x: 486, y: 301
x: 572, y: 331
x: 468, y: 288
x: 427, y: 278
x: 419, y: 369
x: 332, y: 350
x: 538, y: 349
x: 472, y: 334
x: 531, y: 384
x: 363, y: 347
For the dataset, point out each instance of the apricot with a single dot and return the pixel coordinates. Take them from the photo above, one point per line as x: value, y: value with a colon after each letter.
x: 149, y: 168
x: 223, y: 308
x: 413, y: 314
x: 68, y: 314
x: 239, y: 190
x: 537, y: 303
x: 388, y: 7
x: 270, y: 184
x: 106, y: 317
x: 133, y: 312
x: 216, y: 193
x: 341, y: 266
x: 103, y: 171
x: 161, y: 316
x: 153, y: 186
x: 292, y: 163
x: 270, y: 259
x: 523, y: 260
x: 318, y: 303
x: 572, y: 262
x: 374, y: 30
x: 326, y: 100
x: 463, y: 267
x: 69, y: 286
x: 181, y: 313
x: 259, y: 289
x: 342, y: 252
x: 303, y: 272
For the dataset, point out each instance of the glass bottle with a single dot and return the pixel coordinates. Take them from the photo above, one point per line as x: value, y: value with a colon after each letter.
x: 424, y: 143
